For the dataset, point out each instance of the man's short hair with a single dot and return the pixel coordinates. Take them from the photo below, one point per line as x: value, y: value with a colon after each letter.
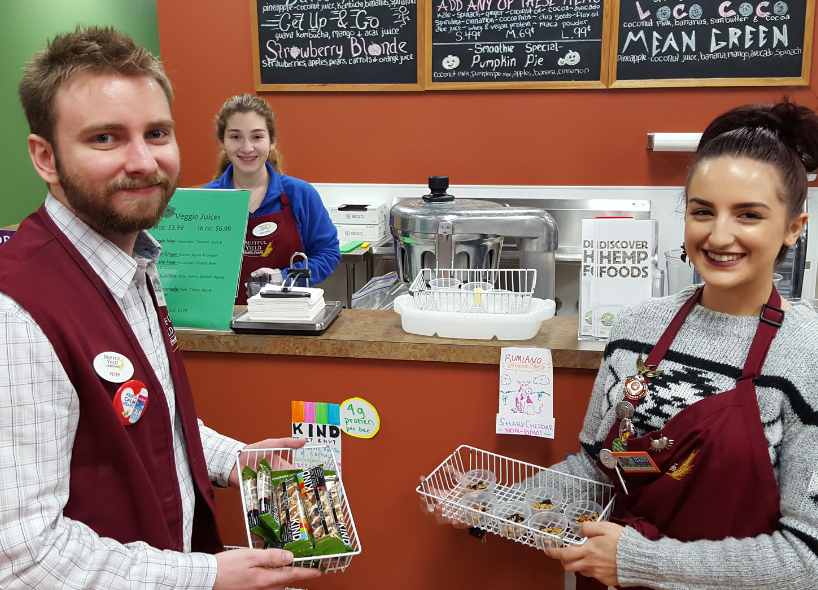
x: 101, y: 50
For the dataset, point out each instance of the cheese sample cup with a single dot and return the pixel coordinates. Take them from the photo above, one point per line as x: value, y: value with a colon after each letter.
x: 476, y: 508
x: 474, y: 292
x: 446, y: 294
x: 511, y: 517
x: 444, y: 284
x: 478, y: 479
x: 543, y: 498
x: 580, y: 512
x: 550, y: 527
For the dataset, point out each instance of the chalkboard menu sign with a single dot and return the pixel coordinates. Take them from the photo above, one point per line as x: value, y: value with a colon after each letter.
x: 336, y: 45
x: 713, y: 42
x: 516, y: 43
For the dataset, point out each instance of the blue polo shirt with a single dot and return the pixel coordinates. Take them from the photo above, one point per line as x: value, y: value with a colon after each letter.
x: 318, y: 236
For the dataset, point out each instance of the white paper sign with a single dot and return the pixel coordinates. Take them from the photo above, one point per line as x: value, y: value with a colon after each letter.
x: 526, y: 403
x: 319, y: 424
x: 618, y: 262
x: 318, y: 434
x: 542, y: 427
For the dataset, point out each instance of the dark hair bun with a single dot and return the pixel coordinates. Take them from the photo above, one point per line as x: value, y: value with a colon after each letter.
x: 793, y: 125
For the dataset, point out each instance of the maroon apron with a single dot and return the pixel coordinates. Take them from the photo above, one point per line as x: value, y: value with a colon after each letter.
x: 266, y: 249
x: 717, y: 479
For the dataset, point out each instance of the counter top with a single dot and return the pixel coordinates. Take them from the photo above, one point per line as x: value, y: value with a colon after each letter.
x: 359, y: 333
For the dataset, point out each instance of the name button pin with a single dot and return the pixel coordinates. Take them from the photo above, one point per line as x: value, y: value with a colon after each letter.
x: 113, y: 367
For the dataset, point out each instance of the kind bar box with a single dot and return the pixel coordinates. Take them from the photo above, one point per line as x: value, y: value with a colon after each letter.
x: 350, y: 214
x: 363, y: 233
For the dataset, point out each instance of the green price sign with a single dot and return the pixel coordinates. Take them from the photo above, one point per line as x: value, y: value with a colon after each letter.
x: 202, y: 237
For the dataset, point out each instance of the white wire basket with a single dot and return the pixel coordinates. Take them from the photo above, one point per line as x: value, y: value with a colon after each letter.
x: 493, y: 291
x: 305, y: 457
x: 443, y: 491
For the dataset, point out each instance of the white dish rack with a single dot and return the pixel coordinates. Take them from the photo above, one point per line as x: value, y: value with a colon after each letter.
x: 502, y: 307
x: 483, y: 291
x: 304, y: 457
x: 443, y: 490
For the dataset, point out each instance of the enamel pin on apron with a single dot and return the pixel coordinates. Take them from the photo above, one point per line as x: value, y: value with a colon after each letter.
x: 113, y: 367
x: 636, y: 386
x: 638, y: 461
x: 657, y: 445
x: 625, y: 409
x: 153, y: 275
x: 130, y: 401
x: 608, y: 460
x: 626, y: 430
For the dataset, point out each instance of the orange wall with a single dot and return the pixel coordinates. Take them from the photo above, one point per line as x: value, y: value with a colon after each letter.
x: 536, y: 137
x: 427, y: 410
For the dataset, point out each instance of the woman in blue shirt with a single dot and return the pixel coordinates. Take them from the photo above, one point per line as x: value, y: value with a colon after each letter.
x: 286, y: 214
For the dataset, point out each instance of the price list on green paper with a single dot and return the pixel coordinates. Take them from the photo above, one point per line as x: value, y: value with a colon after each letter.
x: 202, y: 236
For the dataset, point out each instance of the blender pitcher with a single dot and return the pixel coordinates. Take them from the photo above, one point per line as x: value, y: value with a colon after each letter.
x: 679, y: 273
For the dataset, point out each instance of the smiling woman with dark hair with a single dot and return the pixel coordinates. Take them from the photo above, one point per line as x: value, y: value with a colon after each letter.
x: 729, y: 419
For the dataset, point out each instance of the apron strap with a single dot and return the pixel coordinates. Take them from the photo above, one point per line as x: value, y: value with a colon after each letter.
x: 285, y: 202
x: 658, y: 353
x: 770, y: 319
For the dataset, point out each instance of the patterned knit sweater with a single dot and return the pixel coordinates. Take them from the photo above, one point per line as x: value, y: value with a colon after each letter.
x: 706, y: 358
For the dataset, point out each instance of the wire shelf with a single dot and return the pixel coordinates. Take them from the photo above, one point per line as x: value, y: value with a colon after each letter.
x: 494, y: 291
x: 304, y: 457
x: 442, y: 489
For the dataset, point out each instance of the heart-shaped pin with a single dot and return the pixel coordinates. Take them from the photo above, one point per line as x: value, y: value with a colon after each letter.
x: 130, y: 401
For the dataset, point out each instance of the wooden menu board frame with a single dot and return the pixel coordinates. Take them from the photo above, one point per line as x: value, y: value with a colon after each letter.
x: 602, y: 83
x: 312, y: 87
x: 803, y: 80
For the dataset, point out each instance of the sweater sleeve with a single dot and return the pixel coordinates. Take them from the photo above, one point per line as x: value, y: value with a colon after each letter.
x: 318, y: 235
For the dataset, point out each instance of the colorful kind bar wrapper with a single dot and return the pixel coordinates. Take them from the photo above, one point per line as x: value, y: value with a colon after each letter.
x: 268, y: 511
x: 313, y: 488
x: 248, y: 490
x: 294, y: 532
x: 334, y: 508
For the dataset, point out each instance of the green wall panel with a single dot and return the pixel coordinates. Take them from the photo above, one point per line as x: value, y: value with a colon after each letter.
x: 25, y: 27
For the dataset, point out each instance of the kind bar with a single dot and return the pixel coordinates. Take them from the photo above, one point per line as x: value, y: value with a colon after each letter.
x: 334, y: 508
x: 268, y: 512
x: 313, y: 487
x: 294, y: 531
x: 248, y: 490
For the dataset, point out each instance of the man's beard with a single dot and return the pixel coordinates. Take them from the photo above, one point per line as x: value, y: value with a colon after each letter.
x: 96, y: 207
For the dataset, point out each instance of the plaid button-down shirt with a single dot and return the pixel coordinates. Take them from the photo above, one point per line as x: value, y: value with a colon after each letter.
x: 39, y: 411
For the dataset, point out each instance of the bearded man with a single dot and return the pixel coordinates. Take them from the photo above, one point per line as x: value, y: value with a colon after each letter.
x: 105, y: 472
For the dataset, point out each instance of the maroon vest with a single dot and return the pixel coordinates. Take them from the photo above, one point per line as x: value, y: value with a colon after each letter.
x: 123, y: 478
